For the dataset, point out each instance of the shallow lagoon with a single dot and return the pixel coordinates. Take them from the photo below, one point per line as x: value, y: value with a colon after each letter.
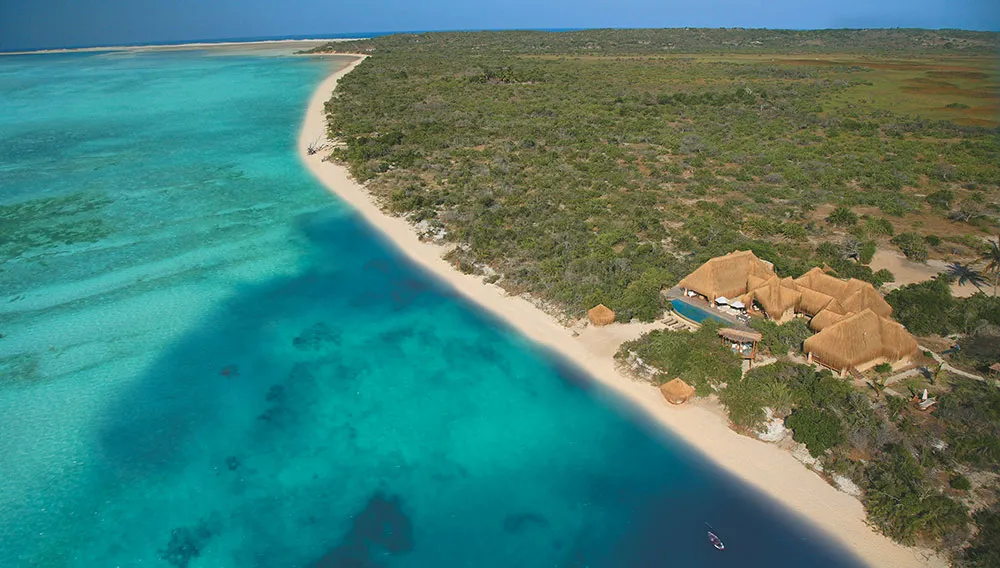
x: 210, y: 361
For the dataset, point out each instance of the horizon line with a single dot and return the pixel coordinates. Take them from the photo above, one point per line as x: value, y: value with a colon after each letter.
x: 369, y: 35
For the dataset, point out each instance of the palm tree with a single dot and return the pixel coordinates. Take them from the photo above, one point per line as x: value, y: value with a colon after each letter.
x: 878, y: 385
x: 965, y: 274
x: 992, y: 259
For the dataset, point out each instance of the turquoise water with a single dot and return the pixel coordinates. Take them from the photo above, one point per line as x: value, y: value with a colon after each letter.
x: 208, y: 361
x: 693, y: 313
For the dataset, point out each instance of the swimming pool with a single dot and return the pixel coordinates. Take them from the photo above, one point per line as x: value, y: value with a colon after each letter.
x: 694, y: 313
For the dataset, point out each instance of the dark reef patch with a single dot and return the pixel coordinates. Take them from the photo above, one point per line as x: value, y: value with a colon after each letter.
x: 513, y: 524
x: 316, y: 337
x: 382, y: 527
x: 186, y: 544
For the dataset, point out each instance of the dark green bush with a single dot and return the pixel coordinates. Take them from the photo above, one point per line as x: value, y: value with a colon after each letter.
x: 960, y: 482
x: 984, y: 550
x: 780, y: 339
x: 883, y: 276
x: 925, y: 308
x: 899, y: 503
x: 818, y: 429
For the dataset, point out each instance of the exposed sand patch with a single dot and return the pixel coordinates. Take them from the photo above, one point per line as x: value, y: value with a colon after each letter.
x: 909, y: 272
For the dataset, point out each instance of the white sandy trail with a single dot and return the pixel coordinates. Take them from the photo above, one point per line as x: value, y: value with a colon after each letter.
x: 765, y: 466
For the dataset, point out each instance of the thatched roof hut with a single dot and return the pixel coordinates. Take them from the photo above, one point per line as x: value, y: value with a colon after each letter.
x: 677, y: 391
x: 861, y: 340
x: 864, y: 296
x: 824, y: 319
x: 778, y: 298
x: 853, y: 295
x: 727, y: 275
x: 813, y: 302
x: 601, y: 315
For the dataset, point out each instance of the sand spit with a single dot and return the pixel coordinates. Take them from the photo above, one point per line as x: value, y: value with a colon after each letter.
x: 273, y: 43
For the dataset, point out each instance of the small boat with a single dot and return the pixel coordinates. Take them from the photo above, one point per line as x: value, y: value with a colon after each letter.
x: 714, y: 539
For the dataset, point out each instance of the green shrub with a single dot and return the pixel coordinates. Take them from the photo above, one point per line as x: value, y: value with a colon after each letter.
x: 912, y: 245
x: 941, y: 199
x: 746, y: 398
x: 960, y: 482
x: 866, y: 252
x: 641, y: 298
x: 842, y: 217
x: 818, y: 429
x: 878, y: 227
x: 883, y: 276
x: 933, y: 240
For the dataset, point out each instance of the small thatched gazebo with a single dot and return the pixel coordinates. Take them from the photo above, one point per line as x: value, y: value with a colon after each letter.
x: 601, y: 315
x: 677, y: 391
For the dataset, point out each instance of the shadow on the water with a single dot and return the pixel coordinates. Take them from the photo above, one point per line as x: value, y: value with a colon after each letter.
x: 278, y: 448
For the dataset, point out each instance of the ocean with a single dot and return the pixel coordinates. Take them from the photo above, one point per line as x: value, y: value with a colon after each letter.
x: 207, y: 360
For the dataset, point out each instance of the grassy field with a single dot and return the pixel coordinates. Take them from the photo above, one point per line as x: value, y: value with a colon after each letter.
x: 961, y: 89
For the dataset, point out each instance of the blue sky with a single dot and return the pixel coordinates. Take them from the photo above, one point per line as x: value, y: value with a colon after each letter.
x: 26, y: 24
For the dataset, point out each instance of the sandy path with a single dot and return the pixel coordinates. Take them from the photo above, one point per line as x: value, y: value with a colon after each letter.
x: 772, y: 470
x: 909, y: 272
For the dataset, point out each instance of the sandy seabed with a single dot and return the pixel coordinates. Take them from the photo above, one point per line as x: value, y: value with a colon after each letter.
x: 703, y: 426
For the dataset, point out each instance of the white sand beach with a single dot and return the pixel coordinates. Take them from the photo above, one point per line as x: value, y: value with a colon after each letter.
x: 767, y: 467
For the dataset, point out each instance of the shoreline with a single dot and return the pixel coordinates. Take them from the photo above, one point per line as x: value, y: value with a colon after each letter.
x: 701, y: 426
x: 176, y: 46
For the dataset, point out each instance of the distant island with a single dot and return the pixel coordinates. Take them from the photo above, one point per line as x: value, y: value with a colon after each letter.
x: 602, y: 167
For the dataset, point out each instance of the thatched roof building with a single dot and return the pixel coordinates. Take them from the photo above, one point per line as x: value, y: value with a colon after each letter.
x: 850, y: 316
x: 852, y: 295
x: 825, y: 318
x: 727, y: 276
x: 677, y: 391
x: 777, y: 297
x: 601, y: 315
x: 860, y: 341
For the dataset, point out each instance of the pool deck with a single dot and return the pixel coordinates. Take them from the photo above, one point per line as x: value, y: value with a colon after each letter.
x: 675, y: 293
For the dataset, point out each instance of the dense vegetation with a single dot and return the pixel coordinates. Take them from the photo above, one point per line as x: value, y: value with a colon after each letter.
x: 911, y: 465
x: 584, y: 177
x: 928, y: 308
x: 880, y: 442
x: 701, y: 359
